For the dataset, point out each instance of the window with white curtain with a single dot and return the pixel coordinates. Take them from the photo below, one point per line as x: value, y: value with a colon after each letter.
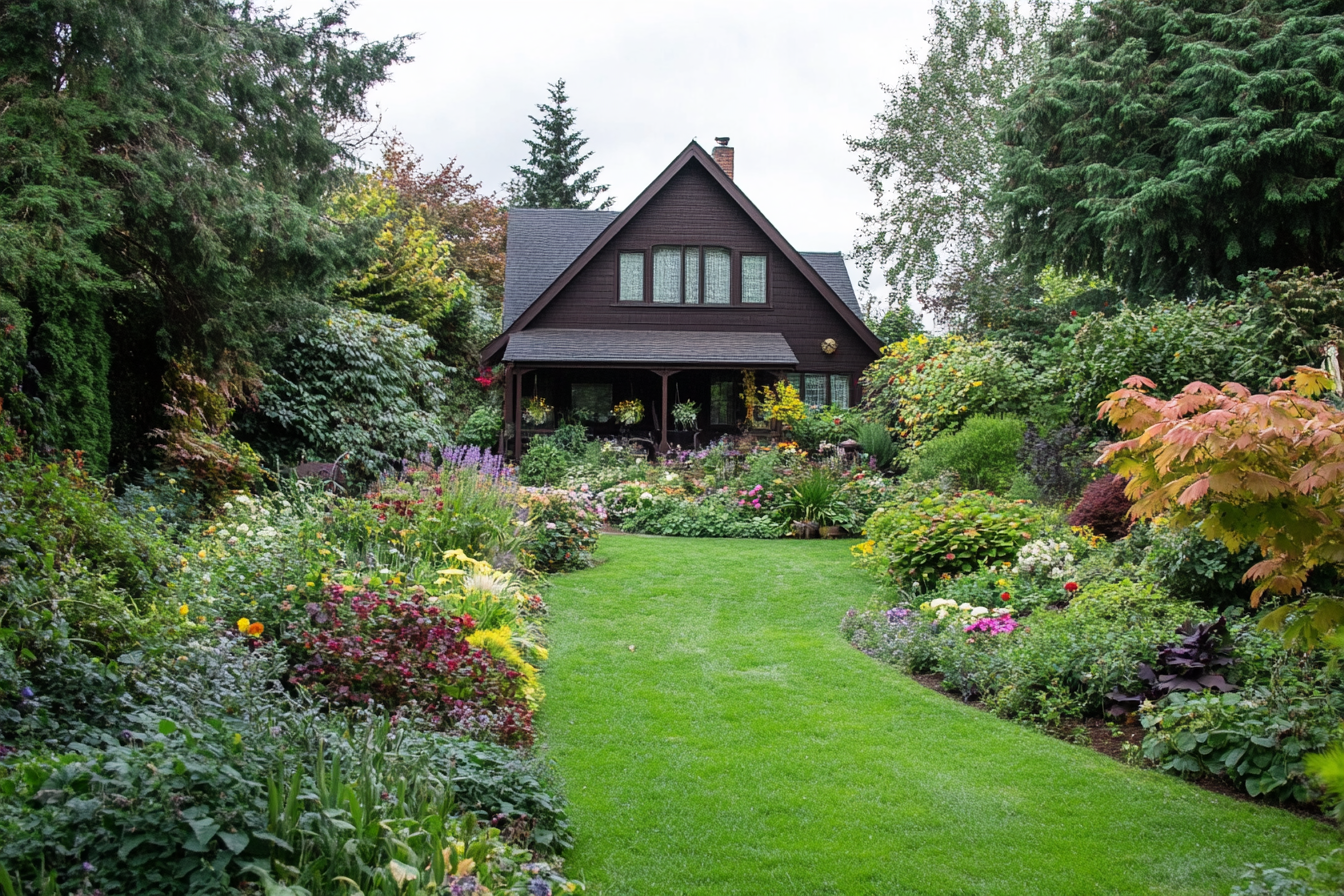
x: 814, y: 389
x: 692, y: 275
x: 632, y: 277
x: 718, y: 271
x: 753, y: 279
x: 840, y: 390
x: 667, y: 275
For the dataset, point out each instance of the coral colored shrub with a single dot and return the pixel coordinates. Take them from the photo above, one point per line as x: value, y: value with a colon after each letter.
x: 397, y: 649
x: 946, y: 535
x: 1104, y: 508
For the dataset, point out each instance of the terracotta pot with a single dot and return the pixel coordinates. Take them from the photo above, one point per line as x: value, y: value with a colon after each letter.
x: 831, y: 531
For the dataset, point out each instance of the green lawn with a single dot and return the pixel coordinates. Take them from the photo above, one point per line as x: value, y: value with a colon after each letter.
x: 744, y: 748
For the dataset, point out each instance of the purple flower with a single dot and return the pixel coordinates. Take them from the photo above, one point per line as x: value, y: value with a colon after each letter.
x: 26, y: 693
x: 463, y: 886
x: 538, y: 887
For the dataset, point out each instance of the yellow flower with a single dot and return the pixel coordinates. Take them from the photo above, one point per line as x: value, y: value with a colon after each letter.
x: 977, y: 382
x: 182, y: 610
x: 243, y: 624
x: 201, y: 554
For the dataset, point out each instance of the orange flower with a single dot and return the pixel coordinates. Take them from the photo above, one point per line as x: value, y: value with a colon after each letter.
x: 255, y: 629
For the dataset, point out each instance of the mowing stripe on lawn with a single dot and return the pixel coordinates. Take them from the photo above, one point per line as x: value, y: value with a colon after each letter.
x: 744, y: 748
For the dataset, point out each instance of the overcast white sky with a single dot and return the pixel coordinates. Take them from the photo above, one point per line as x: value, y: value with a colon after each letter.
x: 787, y: 81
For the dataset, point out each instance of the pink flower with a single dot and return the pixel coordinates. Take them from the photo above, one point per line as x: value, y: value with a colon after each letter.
x: 951, y: 556
x: 550, y: 525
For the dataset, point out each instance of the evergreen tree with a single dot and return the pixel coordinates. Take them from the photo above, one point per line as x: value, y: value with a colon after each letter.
x: 163, y: 165
x: 553, y: 177
x: 1173, y: 146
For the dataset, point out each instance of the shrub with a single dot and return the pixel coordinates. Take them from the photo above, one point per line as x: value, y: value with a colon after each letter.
x: 1183, y: 562
x: 562, y: 529
x: 545, y: 463
x: 1058, y: 463
x: 983, y: 453
x: 922, y: 387
x: 946, y: 535
x: 1171, y: 344
x: 875, y: 441
x: 1267, y: 472
x: 482, y: 427
x: 715, y: 516
x: 1104, y: 508
x: 822, y: 426
x: 816, y: 498
x: 1258, y: 738
x: 356, y: 384
x: 366, y: 648
x: 900, y: 636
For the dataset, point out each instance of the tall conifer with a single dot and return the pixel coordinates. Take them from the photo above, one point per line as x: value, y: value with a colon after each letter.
x: 553, y: 175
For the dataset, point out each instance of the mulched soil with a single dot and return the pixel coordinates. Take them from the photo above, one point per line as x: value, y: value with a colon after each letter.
x: 1104, y: 740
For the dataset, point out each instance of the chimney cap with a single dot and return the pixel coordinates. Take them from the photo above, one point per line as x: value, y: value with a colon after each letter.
x: 722, y: 141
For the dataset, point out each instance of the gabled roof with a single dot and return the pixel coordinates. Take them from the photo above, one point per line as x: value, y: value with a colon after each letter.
x: 693, y: 154
x: 542, y: 242
x: 831, y: 267
x: 670, y: 347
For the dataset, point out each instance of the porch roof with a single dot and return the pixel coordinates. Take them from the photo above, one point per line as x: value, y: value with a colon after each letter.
x: 655, y: 348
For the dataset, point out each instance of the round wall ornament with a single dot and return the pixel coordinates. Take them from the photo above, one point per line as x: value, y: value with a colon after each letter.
x: 828, y: 346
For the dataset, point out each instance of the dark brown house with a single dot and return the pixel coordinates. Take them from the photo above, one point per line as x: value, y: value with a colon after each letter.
x: 674, y: 299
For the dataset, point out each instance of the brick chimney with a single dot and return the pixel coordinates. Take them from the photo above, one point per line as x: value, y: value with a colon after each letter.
x: 723, y: 154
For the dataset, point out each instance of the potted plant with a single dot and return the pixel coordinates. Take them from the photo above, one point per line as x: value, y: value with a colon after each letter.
x: 684, y: 414
x: 815, y: 508
x: 537, y: 411
x: 628, y: 412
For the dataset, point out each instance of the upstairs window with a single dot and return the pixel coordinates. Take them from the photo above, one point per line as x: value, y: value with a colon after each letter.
x: 718, y: 270
x: 632, y: 277
x: 692, y: 275
x: 753, y: 279
x: 667, y: 275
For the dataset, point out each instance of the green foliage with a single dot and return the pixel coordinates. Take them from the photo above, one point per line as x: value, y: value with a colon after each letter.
x: 1304, y: 312
x: 931, y: 159
x: 983, y: 453
x: 161, y: 171
x: 946, y: 534
x: 1128, y: 154
x: 1257, y: 738
x: 544, y: 463
x: 553, y: 175
x: 816, y: 498
x: 875, y: 441
x: 710, y: 518
x: 482, y: 427
x: 1183, y: 562
x: 921, y: 387
x: 1317, y: 877
x: 562, y: 530
x: 897, y: 324
x: 1170, y: 344
x: 355, y: 385
x: 72, y: 566
x: 823, y: 425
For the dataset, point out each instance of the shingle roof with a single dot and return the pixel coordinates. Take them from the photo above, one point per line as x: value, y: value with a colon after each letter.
x: 542, y: 242
x: 831, y: 267
x: 652, y: 347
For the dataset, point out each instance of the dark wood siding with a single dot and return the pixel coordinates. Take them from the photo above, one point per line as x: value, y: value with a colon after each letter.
x: 693, y: 210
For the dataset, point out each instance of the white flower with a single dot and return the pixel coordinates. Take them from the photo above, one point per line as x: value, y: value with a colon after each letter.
x: 244, y: 528
x: 963, y: 606
x: 942, y: 613
x: 979, y: 611
x: 550, y: 525
x: 646, y: 497
x: 268, y: 532
x: 233, y: 540
x: 243, y: 499
x: 223, y: 533
x: 206, y: 578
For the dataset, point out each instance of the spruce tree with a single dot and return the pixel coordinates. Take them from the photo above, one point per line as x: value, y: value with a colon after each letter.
x: 552, y: 176
x: 1172, y: 147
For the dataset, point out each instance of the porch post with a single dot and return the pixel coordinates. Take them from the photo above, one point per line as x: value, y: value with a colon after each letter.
x: 518, y: 416
x: 508, y: 406
x: 663, y: 446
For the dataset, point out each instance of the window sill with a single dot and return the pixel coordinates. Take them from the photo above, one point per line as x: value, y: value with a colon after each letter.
x: 666, y: 305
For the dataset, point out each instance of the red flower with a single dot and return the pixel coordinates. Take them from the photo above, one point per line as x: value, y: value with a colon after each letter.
x: 1070, y: 587
x: 1005, y: 596
x: 1073, y: 314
